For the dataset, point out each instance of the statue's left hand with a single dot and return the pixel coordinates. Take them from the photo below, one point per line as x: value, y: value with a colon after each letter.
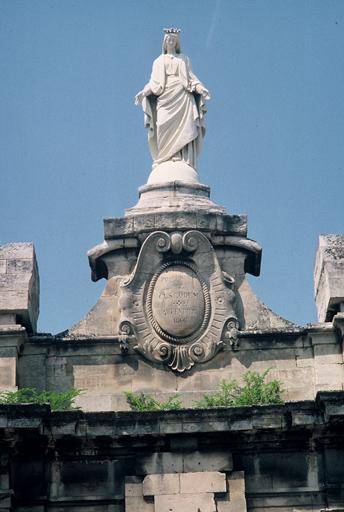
x: 203, y: 91
x: 139, y: 97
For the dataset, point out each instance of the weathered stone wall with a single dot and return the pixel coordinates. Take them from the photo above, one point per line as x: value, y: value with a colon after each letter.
x: 273, y: 458
x: 305, y: 361
x: 95, y: 357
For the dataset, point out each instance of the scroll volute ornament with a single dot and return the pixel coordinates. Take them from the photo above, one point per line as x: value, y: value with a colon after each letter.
x: 177, y: 303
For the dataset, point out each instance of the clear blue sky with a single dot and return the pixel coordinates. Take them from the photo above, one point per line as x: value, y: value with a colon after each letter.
x: 73, y: 148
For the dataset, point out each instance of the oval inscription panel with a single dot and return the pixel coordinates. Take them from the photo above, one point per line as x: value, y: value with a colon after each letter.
x: 178, y: 302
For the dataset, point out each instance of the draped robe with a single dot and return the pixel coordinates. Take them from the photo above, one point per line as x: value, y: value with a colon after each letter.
x: 174, y: 112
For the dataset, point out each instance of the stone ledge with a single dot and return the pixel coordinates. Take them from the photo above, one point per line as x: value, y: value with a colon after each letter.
x: 12, y: 330
x: 216, y: 223
x: 328, y: 407
x: 264, y: 339
x: 132, y: 241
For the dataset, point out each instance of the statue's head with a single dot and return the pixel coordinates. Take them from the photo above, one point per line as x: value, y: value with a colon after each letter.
x: 171, y: 39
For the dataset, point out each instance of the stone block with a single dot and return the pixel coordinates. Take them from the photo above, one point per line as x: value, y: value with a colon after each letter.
x: 223, y: 506
x: 241, y: 424
x: 133, y: 487
x: 138, y: 504
x: 144, y: 223
x: 204, y: 461
x: 207, y: 482
x: 28, y: 480
x: 103, y: 377
x: 32, y: 370
x: 153, y: 379
x: 117, y: 227
x: 334, y: 465
x: 192, y: 427
x: 88, y: 479
x: 185, y: 219
x: 328, y: 354
x: 206, y: 221
x: 302, y: 418
x: 329, y: 276
x: 8, y: 367
x: 96, y: 402
x: 7, y: 319
x: 159, y: 463
x: 268, y: 421
x: 19, y: 284
x: 236, y: 487
x: 288, y: 471
x: 203, y: 380
x: 154, y: 485
x: 297, y: 383
x: 304, y: 355
x: 183, y: 444
x: 171, y: 426
x: 329, y: 376
x: 321, y: 334
x: 197, y: 502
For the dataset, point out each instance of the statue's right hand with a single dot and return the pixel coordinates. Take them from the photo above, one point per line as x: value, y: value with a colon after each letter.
x: 139, y: 97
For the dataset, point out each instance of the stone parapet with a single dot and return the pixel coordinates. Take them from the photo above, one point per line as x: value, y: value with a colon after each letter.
x: 326, y: 409
x: 19, y: 285
x: 329, y: 276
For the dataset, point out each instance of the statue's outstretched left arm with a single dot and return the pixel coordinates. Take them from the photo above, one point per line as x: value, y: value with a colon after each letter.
x: 142, y: 94
x: 196, y: 84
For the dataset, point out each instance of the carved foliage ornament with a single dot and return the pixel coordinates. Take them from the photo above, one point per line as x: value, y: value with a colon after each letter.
x: 177, y: 303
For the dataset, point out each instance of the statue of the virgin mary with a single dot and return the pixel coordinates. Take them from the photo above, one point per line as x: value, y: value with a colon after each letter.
x: 173, y: 103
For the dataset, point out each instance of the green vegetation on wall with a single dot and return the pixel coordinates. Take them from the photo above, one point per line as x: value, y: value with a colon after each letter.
x: 253, y: 391
x: 142, y: 402
x: 58, y: 400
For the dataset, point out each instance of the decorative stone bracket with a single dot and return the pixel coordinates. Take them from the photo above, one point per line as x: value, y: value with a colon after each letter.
x: 177, y: 303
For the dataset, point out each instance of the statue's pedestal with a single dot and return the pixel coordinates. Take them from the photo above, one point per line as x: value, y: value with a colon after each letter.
x: 173, y: 171
x: 175, y: 266
x: 174, y: 186
x: 178, y: 196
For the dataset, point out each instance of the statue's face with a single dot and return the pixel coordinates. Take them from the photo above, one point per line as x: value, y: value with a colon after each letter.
x: 171, y: 41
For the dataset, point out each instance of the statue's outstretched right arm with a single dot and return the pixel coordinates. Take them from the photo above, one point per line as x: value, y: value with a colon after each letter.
x: 156, y: 82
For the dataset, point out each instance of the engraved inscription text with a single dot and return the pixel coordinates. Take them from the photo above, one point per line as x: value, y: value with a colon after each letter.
x: 178, y: 301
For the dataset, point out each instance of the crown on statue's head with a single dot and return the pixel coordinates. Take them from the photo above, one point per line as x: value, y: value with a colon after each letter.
x: 171, y: 30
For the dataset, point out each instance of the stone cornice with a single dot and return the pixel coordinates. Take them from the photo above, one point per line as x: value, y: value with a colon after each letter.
x: 326, y: 409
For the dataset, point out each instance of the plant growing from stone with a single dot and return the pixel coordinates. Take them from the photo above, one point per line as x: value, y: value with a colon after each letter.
x: 254, y: 391
x: 143, y: 402
x: 58, y: 400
